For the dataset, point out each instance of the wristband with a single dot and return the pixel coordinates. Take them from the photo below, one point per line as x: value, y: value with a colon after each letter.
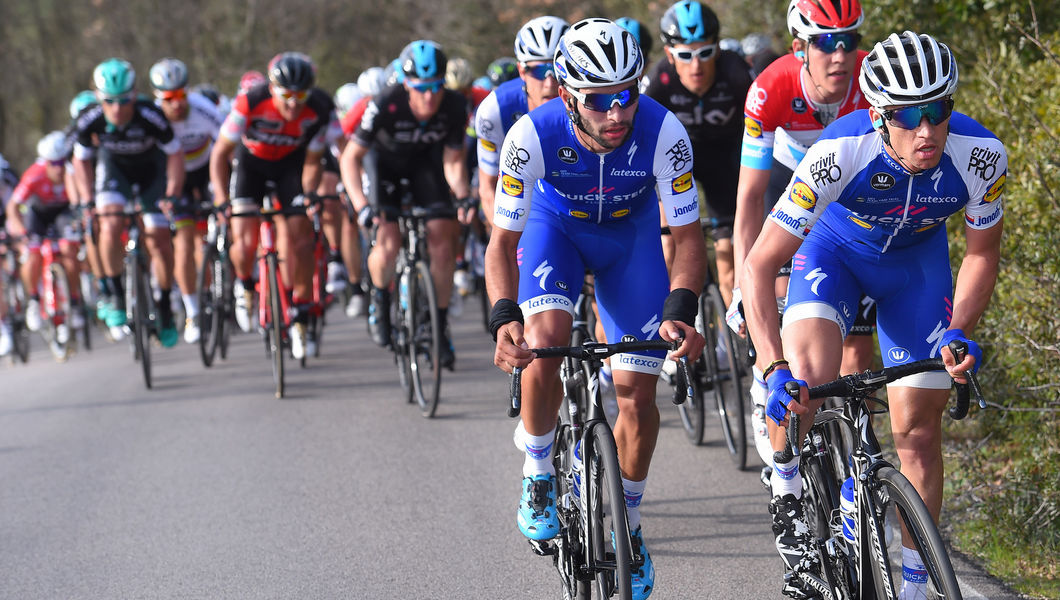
x: 504, y: 311
x: 681, y: 305
x: 773, y: 366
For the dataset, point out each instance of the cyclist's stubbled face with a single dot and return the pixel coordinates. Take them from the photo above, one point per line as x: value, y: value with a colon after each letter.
x: 605, y: 130
x: 538, y: 91
x: 424, y: 102
x: 174, y: 105
x: 118, y: 110
x: 288, y: 103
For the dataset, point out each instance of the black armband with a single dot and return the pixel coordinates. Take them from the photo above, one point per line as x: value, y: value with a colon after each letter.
x: 681, y: 305
x: 504, y: 311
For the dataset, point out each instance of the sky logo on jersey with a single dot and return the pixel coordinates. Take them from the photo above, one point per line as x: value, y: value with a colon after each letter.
x: 752, y: 127
x: 487, y: 145
x: 682, y: 183
x: 618, y: 214
x: 803, y: 196
x: 578, y: 214
x: 860, y: 223
x: 511, y: 186
x: 995, y: 190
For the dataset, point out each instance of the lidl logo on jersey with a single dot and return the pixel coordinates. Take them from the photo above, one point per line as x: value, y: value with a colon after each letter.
x: 752, y: 127
x: 803, y: 196
x: 487, y: 145
x: 995, y: 190
x: 511, y: 186
x: 618, y: 214
x: 682, y: 183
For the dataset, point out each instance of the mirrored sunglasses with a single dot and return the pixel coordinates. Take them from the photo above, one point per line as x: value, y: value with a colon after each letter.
x: 170, y: 95
x: 540, y: 71
x: 604, y: 102
x: 285, y: 94
x: 909, y: 117
x: 830, y: 42
x: 119, y: 100
x: 703, y: 53
x: 430, y: 85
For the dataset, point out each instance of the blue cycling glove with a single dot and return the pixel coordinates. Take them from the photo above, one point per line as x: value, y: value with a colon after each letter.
x: 973, y: 348
x: 777, y: 402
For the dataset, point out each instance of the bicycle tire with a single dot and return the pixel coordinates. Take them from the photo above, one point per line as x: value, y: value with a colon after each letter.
x: 60, y: 308
x: 942, y: 582
x: 728, y: 384
x: 399, y: 336
x: 86, y: 330
x: 570, y: 543
x: 209, y: 316
x: 141, y: 307
x: 425, y: 334
x: 692, y: 411
x: 16, y: 310
x: 275, y: 323
x: 603, y: 484
x: 85, y: 287
x: 226, y: 305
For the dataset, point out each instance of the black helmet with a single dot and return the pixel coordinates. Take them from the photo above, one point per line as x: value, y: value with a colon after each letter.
x: 687, y: 22
x: 292, y: 71
x: 423, y: 59
x: 501, y: 70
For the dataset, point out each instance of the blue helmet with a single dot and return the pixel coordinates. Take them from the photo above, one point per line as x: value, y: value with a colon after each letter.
x: 639, y: 31
x: 687, y: 22
x: 423, y: 59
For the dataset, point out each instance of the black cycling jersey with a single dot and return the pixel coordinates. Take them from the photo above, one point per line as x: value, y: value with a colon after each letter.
x: 130, y: 145
x: 714, y: 122
x: 400, y: 139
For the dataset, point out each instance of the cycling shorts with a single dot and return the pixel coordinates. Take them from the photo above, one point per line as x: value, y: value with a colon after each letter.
x: 425, y: 181
x: 117, y: 177
x: 717, y: 172
x: 39, y: 219
x: 625, y: 257
x: 252, y: 176
x: 912, y: 287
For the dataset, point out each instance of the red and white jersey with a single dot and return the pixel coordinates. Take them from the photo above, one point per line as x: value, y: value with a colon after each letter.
x: 255, y: 121
x: 780, y: 120
x: 35, y: 182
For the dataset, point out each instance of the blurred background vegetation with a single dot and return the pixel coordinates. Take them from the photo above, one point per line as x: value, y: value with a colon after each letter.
x: 1003, y: 464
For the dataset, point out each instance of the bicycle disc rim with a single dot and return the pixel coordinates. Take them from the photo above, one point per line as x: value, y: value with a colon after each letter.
x: 275, y: 323
x: 424, y: 339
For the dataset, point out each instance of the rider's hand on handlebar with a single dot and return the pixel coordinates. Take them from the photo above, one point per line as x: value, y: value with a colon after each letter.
x: 779, y: 401
x: 512, y: 349
x: 692, y: 344
x: 971, y: 361
x: 366, y: 216
x: 734, y: 314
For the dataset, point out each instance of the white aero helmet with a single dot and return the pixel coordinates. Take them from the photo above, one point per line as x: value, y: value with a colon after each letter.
x: 538, y: 39
x: 908, y: 69
x: 372, y: 80
x: 598, y: 53
x: 346, y: 96
x: 52, y: 146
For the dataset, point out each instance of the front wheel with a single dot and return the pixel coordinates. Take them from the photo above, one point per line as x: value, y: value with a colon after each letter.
x: 209, y: 316
x: 893, y: 489
x: 275, y: 322
x: 727, y: 378
x: 425, y: 338
x: 138, y: 308
x: 611, y: 547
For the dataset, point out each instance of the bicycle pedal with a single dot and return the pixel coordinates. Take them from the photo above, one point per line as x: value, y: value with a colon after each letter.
x: 542, y: 547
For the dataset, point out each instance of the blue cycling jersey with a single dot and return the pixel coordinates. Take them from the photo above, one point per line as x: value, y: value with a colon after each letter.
x: 494, y: 117
x: 871, y: 227
x: 578, y: 210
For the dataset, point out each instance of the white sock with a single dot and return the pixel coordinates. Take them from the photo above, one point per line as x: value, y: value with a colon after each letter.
x: 538, y: 449
x: 914, y: 576
x: 191, y: 304
x: 786, y: 478
x: 634, y: 491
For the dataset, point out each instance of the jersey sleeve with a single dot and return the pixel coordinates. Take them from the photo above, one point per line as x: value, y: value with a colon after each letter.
x: 806, y: 197
x: 985, y: 177
x: 490, y: 133
x: 235, y: 124
x: 366, y: 130
x: 758, y: 134
x: 673, y: 174
x: 520, y: 168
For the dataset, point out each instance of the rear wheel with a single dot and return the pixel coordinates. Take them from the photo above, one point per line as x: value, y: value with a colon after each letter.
x: 275, y: 322
x: 425, y: 335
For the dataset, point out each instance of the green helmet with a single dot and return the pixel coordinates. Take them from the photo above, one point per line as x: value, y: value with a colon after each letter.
x: 81, y: 101
x: 114, y: 77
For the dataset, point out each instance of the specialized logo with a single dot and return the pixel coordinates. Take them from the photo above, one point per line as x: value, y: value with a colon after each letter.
x: 682, y: 183
x: 516, y: 158
x: 756, y: 98
x: 651, y: 327
x: 803, y: 196
x: 936, y: 177
x: 578, y: 214
x: 816, y: 276
x: 567, y: 155
x: 898, y: 354
x: 983, y: 163
x: 680, y: 155
x: 631, y: 153
x: 935, y: 338
x: 882, y: 181
x: 618, y: 214
x: 995, y: 190
x: 825, y: 170
x: 752, y: 127
x: 511, y: 186
x: 487, y: 145
x: 541, y: 272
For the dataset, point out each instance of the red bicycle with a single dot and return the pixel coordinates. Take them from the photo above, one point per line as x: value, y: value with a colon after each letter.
x: 273, y: 306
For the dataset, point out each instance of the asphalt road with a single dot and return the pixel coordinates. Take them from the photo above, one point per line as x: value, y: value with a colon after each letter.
x: 209, y: 487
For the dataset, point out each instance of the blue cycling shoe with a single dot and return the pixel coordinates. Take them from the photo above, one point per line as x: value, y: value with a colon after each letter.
x: 643, y: 579
x: 115, y: 317
x: 537, y: 508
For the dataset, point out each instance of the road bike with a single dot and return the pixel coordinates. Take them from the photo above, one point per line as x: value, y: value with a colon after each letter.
x: 273, y: 305
x: 416, y: 336
x: 140, y: 310
x: 856, y: 563
x: 56, y: 305
x: 216, y: 292
x: 593, y: 549
x: 15, y: 300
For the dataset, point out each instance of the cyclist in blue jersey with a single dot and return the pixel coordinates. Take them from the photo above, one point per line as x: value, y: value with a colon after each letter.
x: 535, y: 45
x: 577, y: 192
x: 865, y: 212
